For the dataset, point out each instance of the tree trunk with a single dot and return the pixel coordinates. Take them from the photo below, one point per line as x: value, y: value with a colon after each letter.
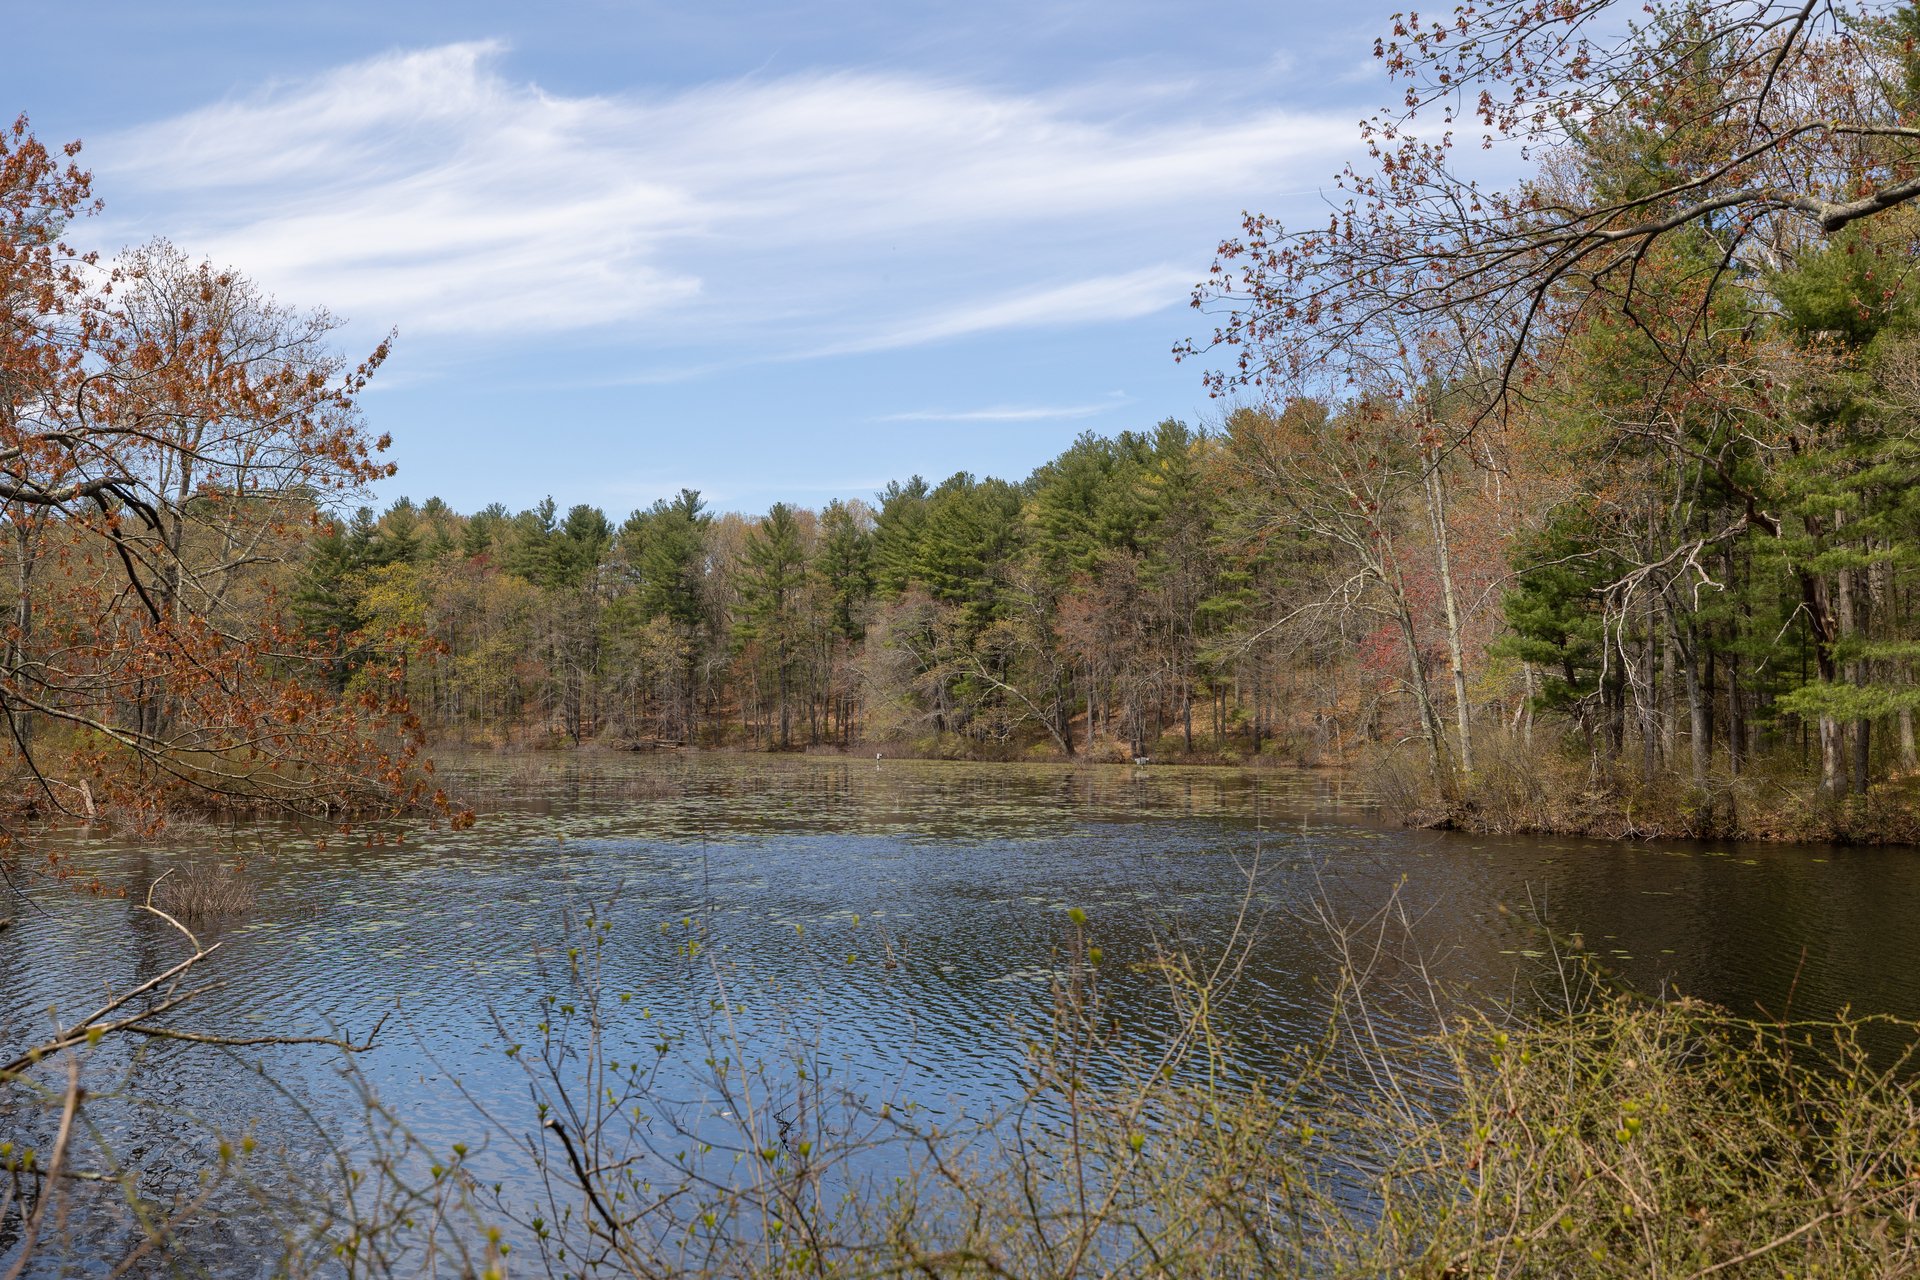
x: 1667, y: 688
x: 1833, y: 774
x: 1422, y: 693
x: 1849, y: 628
x: 1526, y: 709
x: 1063, y: 712
x: 1736, y: 717
x: 786, y: 719
x: 20, y: 719
x: 1699, y: 731
x: 1437, y: 514
x: 1644, y: 698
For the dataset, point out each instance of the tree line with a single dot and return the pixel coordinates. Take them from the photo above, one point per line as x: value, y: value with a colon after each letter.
x: 1115, y: 600
x: 1308, y: 580
x: 1610, y: 468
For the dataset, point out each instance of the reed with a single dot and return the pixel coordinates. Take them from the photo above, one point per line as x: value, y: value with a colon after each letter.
x: 206, y: 890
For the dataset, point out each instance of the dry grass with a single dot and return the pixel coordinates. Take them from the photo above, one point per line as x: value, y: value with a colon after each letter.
x: 1555, y: 789
x: 206, y: 890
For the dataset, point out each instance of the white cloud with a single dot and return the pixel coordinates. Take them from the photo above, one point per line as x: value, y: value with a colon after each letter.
x: 1122, y: 297
x: 801, y: 215
x: 1003, y: 413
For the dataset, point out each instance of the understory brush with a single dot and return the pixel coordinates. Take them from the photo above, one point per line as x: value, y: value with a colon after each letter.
x: 1518, y: 788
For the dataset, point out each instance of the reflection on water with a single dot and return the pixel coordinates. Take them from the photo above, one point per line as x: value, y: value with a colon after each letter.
x: 908, y: 912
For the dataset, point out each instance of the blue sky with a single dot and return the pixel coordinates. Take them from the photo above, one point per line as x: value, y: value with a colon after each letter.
x: 762, y: 250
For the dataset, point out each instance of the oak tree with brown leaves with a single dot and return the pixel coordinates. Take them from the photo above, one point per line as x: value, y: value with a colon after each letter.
x: 169, y: 435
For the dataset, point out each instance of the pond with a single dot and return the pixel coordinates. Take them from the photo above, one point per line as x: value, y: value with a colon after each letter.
x: 906, y: 916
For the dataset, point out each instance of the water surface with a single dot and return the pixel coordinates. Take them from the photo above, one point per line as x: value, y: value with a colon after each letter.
x: 908, y: 916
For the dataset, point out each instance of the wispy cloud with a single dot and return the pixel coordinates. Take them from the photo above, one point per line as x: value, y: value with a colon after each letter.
x: 1102, y: 298
x: 1007, y: 413
x: 816, y: 214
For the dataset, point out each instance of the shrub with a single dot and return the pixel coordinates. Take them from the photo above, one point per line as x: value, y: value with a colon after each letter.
x: 205, y: 890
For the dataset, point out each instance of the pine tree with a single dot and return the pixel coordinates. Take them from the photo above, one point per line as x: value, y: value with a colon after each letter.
x: 896, y: 535
x: 770, y: 592
x: 846, y: 568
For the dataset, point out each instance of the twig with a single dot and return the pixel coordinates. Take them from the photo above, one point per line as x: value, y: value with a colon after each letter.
x: 198, y: 1037
x: 159, y: 1234
x: 77, y: 1032
x: 586, y: 1182
x: 80, y: 1032
x: 148, y: 906
x: 55, y: 1168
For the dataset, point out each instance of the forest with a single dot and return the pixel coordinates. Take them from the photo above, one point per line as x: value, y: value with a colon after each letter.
x: 1581, y: 504
x: 1689, y: 591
